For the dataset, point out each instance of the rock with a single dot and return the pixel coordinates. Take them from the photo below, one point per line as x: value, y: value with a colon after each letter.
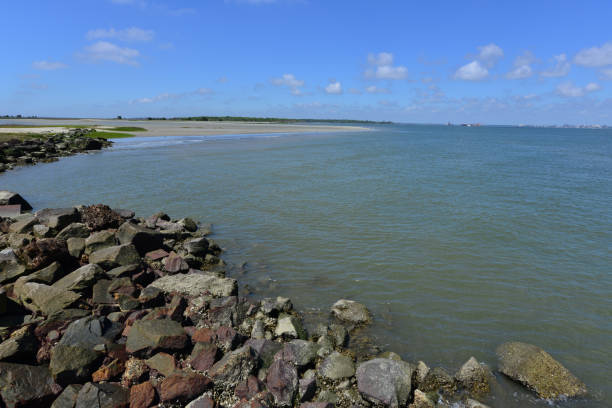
x: 74, y: 230
x: 43, y: 252
x: 189, y: 224
x: 144, y: 239
x: 156, y: 334
x: 104, y: 395
x: 282, y: 382
x: 204, y: 356
x: 390, y: 355
x: 41, y: 231
x: 183, y: 386
x: 538, y: 371
x: 100, y: 240
x: 24, y: 385
x: 474, y: 377
x: 100, y: 295
x: 3, y: 302
x: 302, y: 353
x: 307, y: 387
x: 82, y: 279
x: 174, y: 263
x: 234, y: 367
x: 112, y: 257
x: 385, y: 381
x: 289, y: 326
x: 142, y: 395
x: 90, y: 331
x: 45, y: 299
x: 135, y: 370
x: 471, y: 403
x: 163, y: 363
x: 249, y: 388
x: 196, y: 246
x: 47, y: 275
x: 265, y: 350
x: 318, y: 404
x: 24, y: 225
x: 108, y: 371
x: 57, y: 218
x: 10, y: 268
x: 99, y: 217
x: 421, y: 372
x: 438, y: 379
x: 76, y: 247
x: 9, y: 211
x: 67, y: 399
x: 203, y: 401
x: 337, y: 366
x: 421, y: 400
x: 156, y: 255
x: 72, y: 364
x: 127, y: 270
x: 10, y: 198
x: 272, y: 307
x: 196, y: 284
x: 20, y: 347
x: 259, y: 330
x: 351, y: 311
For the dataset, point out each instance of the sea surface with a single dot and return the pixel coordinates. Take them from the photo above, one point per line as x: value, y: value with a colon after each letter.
x: 457, y: 239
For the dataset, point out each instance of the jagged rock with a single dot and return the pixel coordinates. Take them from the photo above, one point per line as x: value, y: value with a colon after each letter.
x: 203, y: 401
x: 45, y: 299
x: 135, y: 371
x: 204, y: 356
x: 103, y: 395
x: 249, y: 388
x: 337, y: 366
x: 10, y: 268
x: 20, y: 347
x: 183, y: 386
x: 438, y: 379
x: 471, y: 403
x: 265, y: 350
x: 474, y: 377
x: 47, y: 275
x: 307, y: 387
x: 90, y: 331
x: 174, y: 263
x: 351, y: 311
x: 196, y: 284
x: 290, y: 326
x: 112, y: 257
x: 57, y: 218
x: 74, y: 230
x: 318, y: 404
x: 142, y: 395
x: 234, y: 367
x: 421, y: 372
x: 272, y: 307
x: 189, y: 224
x: 421, y: 400
x: 108, y: 371
x: 99, y: 216
x: 385, y: 381
x: 72, y: 364
x: 10, y: 198
x: 23, y: 225
x: 156, y: 334
x: 299, y: 352
x: 82, y: 279
x: 100, y: 240
x: 67, y: 399
x: 76, y: 246
x: 43, y: 252
x: 282, y: 382
x: 41, y: 231
x: 144, y: 239
x: 538, y: 371
x: 25, y: 385
x: 163, y: 363
x: 196, y: 246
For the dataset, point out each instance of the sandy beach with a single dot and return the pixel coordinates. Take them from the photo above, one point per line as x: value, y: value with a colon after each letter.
x: 174, y: 128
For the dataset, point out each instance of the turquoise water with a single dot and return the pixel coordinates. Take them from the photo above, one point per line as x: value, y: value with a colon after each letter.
x: 457, y: 239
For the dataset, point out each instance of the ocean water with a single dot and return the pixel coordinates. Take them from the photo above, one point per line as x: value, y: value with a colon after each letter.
x: 457, y: 239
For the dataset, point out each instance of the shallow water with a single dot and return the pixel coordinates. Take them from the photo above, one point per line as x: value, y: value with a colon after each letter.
x: 457, y: 239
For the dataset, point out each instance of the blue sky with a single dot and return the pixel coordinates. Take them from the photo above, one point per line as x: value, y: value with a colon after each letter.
x: 537, y: 62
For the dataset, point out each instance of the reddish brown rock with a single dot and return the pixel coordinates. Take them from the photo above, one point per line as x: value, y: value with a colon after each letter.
x: 204, y: 335
x: 156, y: 255
x: 228, y: 338
x: 142, y: 395
x: 174, y: 263
x: 204, y: 356
x: 183, y: 386
x: 108, y: 371
x: 203, y: 401
x: 282, y: 381
x: 43, y: 252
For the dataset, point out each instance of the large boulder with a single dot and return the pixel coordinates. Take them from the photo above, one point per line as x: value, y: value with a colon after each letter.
x: 81, y: 279
x: 265, y: 350
x: 72, y: 364
x: 337, y: 366
x: 385, y: 381
x: 57, y: 218
x: 25, y: 385
x: 282, y: 382
x: 144, y: 239
x: 100, y: 240
x: 234, y: 367
x: 90, y: 331
x: 42, y: 252
x: 23, y: 225
x: 10, y: 268
x: 351, y: 311
x: 74, y: 230
x: 302, y: 353
x: 151, y: 335
x: 538, y: 371
x: 197, y: 284
x: 45, y: 299
x: 290, y: 326
x: 112, y: 257
x: 103, y: 395
x: 183, y: 386
x: 20, y: 347
x: 10, y: 198
x: 475, y: 377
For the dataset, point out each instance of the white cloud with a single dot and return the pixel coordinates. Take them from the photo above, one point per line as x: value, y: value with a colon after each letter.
x: 334, y: 88
x: 48, y: 65
x: 489, y: 54
x: 569, y: 90
x: 522, y: 67
x: 376, y: 90
x: 289, y: 81
x: 106, y: 51
x: 474, y: 71
x: 166, y: 96
x: 561, y: 68
x: 382, y: 67
x: 132, y: 34
x: 595, y: 56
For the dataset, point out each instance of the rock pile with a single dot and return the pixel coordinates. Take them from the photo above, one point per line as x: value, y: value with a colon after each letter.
x: 48, y: 148
x: 102, y: 309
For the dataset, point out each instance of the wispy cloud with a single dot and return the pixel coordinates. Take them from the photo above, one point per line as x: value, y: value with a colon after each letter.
x: 487, y: 57
x: 373, y: 89
x: 381, y: 67
x: 106, y: 51
x: 473, y: 71
x: 569, y: 90
x: 167, y: 96
x: 489, y: 54
x: 289, y: 81
x: 595, y: 56
x: 48, y: 65
x: 561, y: 68
x: 334, y: 88
x: 522, y: 67
x: 132, y: 34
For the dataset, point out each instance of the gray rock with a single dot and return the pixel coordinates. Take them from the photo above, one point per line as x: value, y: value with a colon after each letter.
x: 421, y: 400
x: 234, y: 367
x: 337, y: 366
x: 302, y: 353
x: 67, y: 399
x: 100, y: 240
x: 25, y: 385
x: 421, y: 372
x: 74, y: 230
x: 272, y: 307
x: 45, y: 299
x: 265, y: 350
x: 151, y: 335
x: 307, y: 387
x: 112, y: 257
x: 258, y: 330
x: 76, y: 246
x: 41, y: 231
x: 282, y: 382
x: 47, y: 275
x: 81, y: 279
x: 351, y: 311
x: 438, y: 379
x: 57, y: 218
x: 21, y: 346
x: 474, y: 377
x: 24, y: 225
x: 144, y: 239
x: 72, y: 364
x: 385, y: 381
x: 10, y: 268
x: 197, y: 284
x: 290, y: 326
x: 471, y: 403
x: 189, y: 224
x: 88, y: 332
x: 538, y: 371
x: 196, y: 246
x: 11, y: 198
x: 102, y: 395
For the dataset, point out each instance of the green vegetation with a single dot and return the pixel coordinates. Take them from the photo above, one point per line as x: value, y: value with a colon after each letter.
x: 6, y: 136
x: 127, y: 129
x: 108, y: 135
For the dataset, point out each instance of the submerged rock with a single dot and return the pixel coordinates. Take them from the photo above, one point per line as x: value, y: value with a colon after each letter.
x: 475, y: 377
x: 538, y: 371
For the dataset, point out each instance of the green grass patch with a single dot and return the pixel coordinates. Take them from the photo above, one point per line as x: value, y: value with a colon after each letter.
x: 127, y: 129
x: 108, y: 135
